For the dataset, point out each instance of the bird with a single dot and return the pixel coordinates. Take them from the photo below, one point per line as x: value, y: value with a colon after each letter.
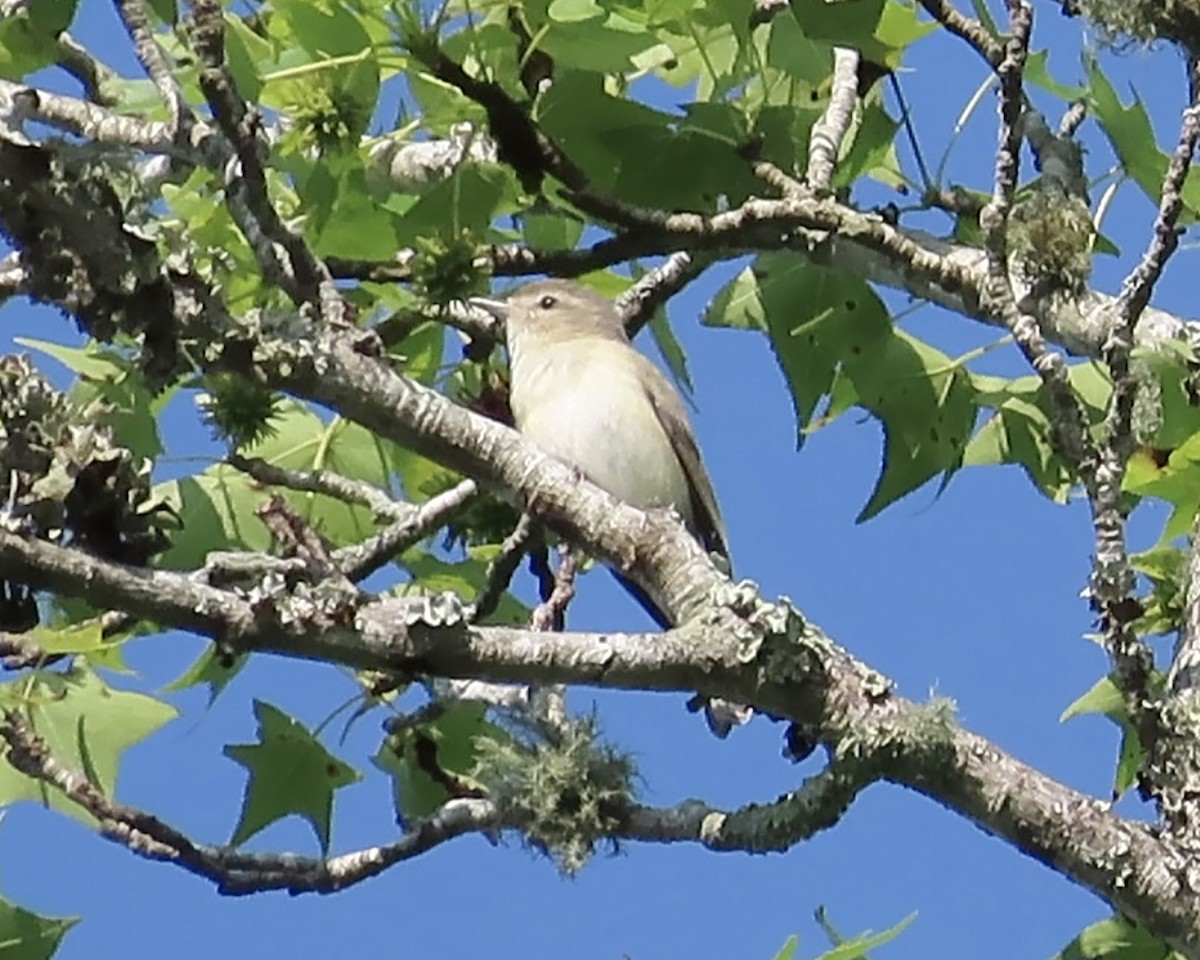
x: 583, y: 393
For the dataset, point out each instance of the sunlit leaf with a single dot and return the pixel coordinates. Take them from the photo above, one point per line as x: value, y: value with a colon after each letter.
x: 25, y: 935
x: 85, y: 723
x: 290, y: 773
x: 1114, y: 939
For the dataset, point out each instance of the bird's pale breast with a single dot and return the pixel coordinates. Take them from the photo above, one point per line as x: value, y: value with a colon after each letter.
x: 593, y: 413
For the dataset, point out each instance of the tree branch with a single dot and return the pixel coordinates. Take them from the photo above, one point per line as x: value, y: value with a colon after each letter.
x: 797, y: 674
x: 825, y: 140
x: 972, y: 32
x: 848, y: 240
x: 283, y: 255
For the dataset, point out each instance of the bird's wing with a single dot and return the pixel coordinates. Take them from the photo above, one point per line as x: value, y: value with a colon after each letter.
x: 671, y: 414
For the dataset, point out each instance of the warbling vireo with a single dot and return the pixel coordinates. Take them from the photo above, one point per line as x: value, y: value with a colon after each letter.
x: 584, y: 394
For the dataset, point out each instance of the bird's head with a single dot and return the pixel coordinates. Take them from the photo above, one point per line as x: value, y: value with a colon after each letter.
x: 551, y: 310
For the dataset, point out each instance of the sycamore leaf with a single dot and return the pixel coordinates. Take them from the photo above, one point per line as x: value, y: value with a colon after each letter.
x: 218, y: 507
x: 25, y: 935
x: 880, y: 30
x: 1132, y: 137
x: 107, y: 376
x: 1114, y: 939
x: 212, y: 669
x: 788, y: 950
x: 87, y: 726
x: 672, y: 352
x: 84, y: 639
x: 815, y: 319
x: 857, y: 947
x: 826, y: 327
x: 1105, y: 697
x: 432, y: 762
x: 927, y: 405
x: 291, y: 772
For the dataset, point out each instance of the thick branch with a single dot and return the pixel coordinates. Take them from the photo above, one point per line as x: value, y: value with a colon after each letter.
x: 807, y: 680
x: 1082, y: 324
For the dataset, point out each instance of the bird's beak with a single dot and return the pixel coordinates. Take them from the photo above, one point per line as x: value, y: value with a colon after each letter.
x: 497, y: 308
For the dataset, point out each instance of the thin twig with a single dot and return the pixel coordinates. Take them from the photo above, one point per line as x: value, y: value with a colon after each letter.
x: 327, y: 482
x: 1113, y: 580
x: 17, y: 652
x: 233, y: 872
x: 551, y: 613
x: 500, y: 571
x: 283, y: 255
x: 92, y: 75
x: 137, y: 25
x: 825, y: 139
x: 409, y: 523
x: 972, y: 31
x: 927, y: 184
x: 638, y: 303
x: 363, y: 559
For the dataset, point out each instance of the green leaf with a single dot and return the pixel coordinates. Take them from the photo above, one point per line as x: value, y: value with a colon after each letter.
x: 85, y: 723
x: 1105, y: 697
x: 671, y: 350
x: 211, y: 669
x: 708, y: 55
x: 1132, y: 137
x: 872, y: 149
x: 51, y: 17
x: 465, y: 202
x: 431, y: 762
x: 879, y: 29
x: 29, y: 36
x: 788, y: 950
x: 569, y: 11
x: 323, y: 30
x: 605, y: 44
x: 815, y: 319
x: 218, y: 507
x: 245, y: 50
x: 1102, y: 697
x: 344, y: 219
x: 800, y: 56
x: 927, y: 405
x: 1037, y: 72
x: 1129, y: 762
x: 637, y: 152
x: 738, y: 305
x: 824, y: 322
x: 165, y: 10
x: 114, y: 380
x: 217, y: 512
x: 1166, y: 569
x: 1116, y: 939
x: 551, y: 231
x: 22, y: 50
x: 328, y: 75
x: 84, y: 639
x: 858, y: 946
x: 1177, y: 482
x: 290, y: 773
x: 1019, y: 430
x: 25, y: 935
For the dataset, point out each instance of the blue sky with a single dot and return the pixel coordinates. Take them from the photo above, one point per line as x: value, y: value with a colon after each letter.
x: 973, y: 596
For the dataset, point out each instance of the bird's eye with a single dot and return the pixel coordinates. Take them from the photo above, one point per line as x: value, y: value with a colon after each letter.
x: 547, y: 301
